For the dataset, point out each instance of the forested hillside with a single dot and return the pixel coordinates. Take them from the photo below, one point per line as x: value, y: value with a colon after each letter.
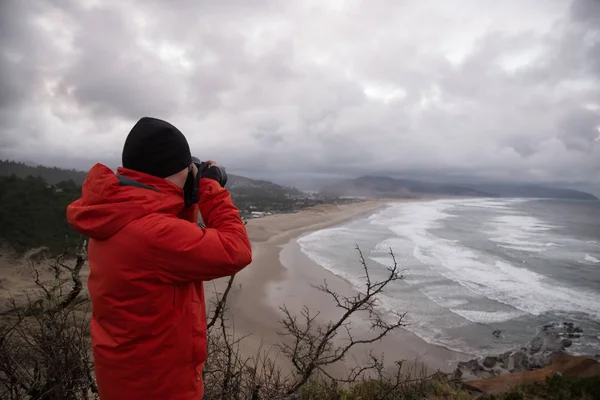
x: 33, y: 201
x: 32, y: 213
x: 51, y: 175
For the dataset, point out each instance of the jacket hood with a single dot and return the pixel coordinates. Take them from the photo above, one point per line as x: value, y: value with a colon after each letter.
x: 110, y: 201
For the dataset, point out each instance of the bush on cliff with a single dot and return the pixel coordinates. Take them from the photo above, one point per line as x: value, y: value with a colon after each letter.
x: 557, y: 387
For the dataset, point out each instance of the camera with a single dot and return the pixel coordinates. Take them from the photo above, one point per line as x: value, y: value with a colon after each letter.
x: 192, y: 185
x: 221, y: 174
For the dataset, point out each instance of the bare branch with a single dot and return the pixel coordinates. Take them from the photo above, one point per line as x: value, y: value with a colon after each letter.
x: 312, y: 346
x: 45, y: 344
x: 220, y: 307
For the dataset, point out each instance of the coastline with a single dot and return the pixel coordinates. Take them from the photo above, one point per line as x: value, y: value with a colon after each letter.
x: 268, y: 283
x: 281, y: 274
x: 247, y: 302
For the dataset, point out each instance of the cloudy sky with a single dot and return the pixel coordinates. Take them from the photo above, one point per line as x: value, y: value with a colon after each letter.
x: 481, y: 89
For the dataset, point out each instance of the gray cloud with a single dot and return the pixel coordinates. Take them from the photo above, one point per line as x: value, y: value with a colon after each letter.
x: 586, y: 11
x: 457, y: 89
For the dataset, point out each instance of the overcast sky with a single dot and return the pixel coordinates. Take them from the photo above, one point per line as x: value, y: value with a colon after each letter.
x: 457, y: 88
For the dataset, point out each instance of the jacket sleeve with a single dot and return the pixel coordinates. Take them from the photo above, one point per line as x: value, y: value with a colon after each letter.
x: 185, y: 252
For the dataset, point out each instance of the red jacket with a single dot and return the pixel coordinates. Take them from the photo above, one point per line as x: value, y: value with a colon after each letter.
x: 148, y: 259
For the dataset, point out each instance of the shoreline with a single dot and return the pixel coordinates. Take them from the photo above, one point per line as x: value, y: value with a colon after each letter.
x: 281, y: 273
x: 399, y: 345
x: 266, y: 284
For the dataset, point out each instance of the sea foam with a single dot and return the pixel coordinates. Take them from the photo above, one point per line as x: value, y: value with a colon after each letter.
x: 452, y: 284
x: 591, y: 259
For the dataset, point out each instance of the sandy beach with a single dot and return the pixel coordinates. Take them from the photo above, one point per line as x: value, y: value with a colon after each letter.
x: 267, y: 284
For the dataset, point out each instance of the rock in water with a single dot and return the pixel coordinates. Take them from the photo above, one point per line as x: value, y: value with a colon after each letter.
x: 471, y: 366
x: 553, y: 343
x: 468, y: 370
x: 504, y: 358
x: 538, y: 361
x: 550, y: 325
x: 457, y: 374
x: 536, y: 345
x: 497, y: 333
x: 490, y: 362
x: 551, y: 340
x: 520, y: 361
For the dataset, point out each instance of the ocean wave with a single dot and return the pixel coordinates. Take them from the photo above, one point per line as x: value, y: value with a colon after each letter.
x: 529, y: 249
x: 481, y: 274
x: 520, y: 288
x: 448, y: 284
x: 521, y: 233
x: 505, y: 204
x: 524, y: 222
x: 488, y: 317
x: 320, y: 248
x: 592, y: 259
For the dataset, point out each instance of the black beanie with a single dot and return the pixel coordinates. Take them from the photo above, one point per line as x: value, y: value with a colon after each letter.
x: 156, y: 147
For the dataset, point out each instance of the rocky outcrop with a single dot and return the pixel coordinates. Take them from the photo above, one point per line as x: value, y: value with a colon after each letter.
x: 490, y: 362
x: 561, y: 363
x: 552, y: 339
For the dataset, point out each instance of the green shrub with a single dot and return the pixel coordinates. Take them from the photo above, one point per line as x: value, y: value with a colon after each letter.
x: 557, y: 387
x: 317, y: 389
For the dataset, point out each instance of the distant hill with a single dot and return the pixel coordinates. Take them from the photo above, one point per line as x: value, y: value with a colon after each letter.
x: 238, y: 185
x: 378, y: 186
x: 402, y: 188
x: 51, y: 175
x: 530, y: 190
x: 246, y: 186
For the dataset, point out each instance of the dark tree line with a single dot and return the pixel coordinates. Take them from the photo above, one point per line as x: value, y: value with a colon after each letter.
x: 33, y: 202
x: 52, y: 175
x: 32, y: 213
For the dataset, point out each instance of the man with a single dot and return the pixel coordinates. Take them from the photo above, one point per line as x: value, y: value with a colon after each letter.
x: 148, y: 258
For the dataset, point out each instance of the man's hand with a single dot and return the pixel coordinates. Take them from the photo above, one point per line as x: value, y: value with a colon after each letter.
x: 217, y: 173
x: 209, y: 163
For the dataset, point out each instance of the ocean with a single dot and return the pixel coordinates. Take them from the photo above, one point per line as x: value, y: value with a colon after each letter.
x: 476, y: 266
